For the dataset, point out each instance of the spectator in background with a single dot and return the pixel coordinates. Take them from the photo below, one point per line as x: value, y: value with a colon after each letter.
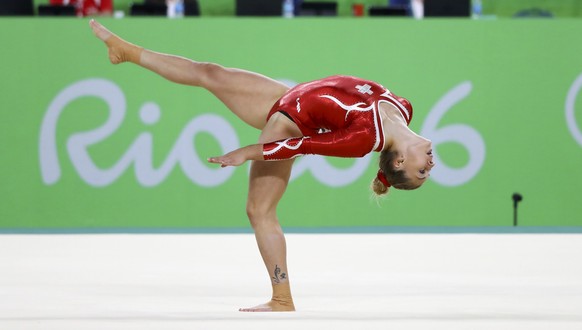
x: 413, y: 7
x: 417, y: 8
x: 297, y: 7
x: 88, y: 7
x: 400, y: 4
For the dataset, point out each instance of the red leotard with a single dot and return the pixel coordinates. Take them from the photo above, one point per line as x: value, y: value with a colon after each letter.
x: 338, y: 116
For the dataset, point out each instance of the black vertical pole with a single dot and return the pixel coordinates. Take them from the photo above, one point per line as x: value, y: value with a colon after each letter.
x: 516, y: 199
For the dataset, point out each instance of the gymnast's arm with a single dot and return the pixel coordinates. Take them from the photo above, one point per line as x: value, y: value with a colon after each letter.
x: 352, y: 142
x: 239, y: 156
x: 342, y: 143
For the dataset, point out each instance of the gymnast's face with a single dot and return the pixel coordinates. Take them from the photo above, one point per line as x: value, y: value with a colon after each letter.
x: 418, y: 161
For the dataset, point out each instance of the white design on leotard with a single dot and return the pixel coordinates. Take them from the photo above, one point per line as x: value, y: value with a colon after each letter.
x: 405, y: 113
x: 359, y: 107
x: 348, y: 108
x: 283, y: 144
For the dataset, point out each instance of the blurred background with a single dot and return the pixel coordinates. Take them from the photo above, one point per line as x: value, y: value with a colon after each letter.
x: 488, y: 8
x: 88, y: 146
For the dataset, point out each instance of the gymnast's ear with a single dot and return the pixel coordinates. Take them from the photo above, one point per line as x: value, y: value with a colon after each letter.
x: 398, y: 162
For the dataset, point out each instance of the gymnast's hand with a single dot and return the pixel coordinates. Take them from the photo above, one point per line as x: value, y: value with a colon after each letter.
x: 239, y: 156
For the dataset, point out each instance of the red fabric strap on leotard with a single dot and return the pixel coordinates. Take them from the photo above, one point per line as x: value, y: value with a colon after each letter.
x: 382, y: 178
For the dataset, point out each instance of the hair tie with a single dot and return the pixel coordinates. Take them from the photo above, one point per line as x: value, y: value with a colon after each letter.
x: 382, y: 178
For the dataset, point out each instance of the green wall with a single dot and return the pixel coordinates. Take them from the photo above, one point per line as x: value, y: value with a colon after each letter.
x: 498, y: 98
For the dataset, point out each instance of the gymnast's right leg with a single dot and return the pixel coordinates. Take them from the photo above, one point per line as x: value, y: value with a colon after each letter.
x: 248, y: 95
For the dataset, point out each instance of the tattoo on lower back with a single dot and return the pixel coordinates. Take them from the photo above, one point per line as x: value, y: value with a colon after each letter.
x: 278, y: 275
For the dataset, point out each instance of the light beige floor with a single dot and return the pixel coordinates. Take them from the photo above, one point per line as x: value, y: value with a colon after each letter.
x: 343, y: 281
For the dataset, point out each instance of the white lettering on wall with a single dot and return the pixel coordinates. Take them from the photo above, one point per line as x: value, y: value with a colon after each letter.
x: 571, y: 109
x: 462, y: 134
x: 140, y: 151
x: 194, y: 166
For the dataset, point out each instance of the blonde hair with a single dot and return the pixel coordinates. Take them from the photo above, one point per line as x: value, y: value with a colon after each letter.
x: 397, y: 179
x: 378, y: 187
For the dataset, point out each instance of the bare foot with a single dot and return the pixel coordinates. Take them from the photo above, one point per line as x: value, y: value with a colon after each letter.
x: 272, y: 306
x: 119, y: 50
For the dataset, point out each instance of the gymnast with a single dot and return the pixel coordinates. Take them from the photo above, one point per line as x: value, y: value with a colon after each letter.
x: 339, y: 116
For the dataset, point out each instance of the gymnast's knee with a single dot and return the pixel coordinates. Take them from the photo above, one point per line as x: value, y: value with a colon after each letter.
x: 259, y: 214
x: 212, y: 74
